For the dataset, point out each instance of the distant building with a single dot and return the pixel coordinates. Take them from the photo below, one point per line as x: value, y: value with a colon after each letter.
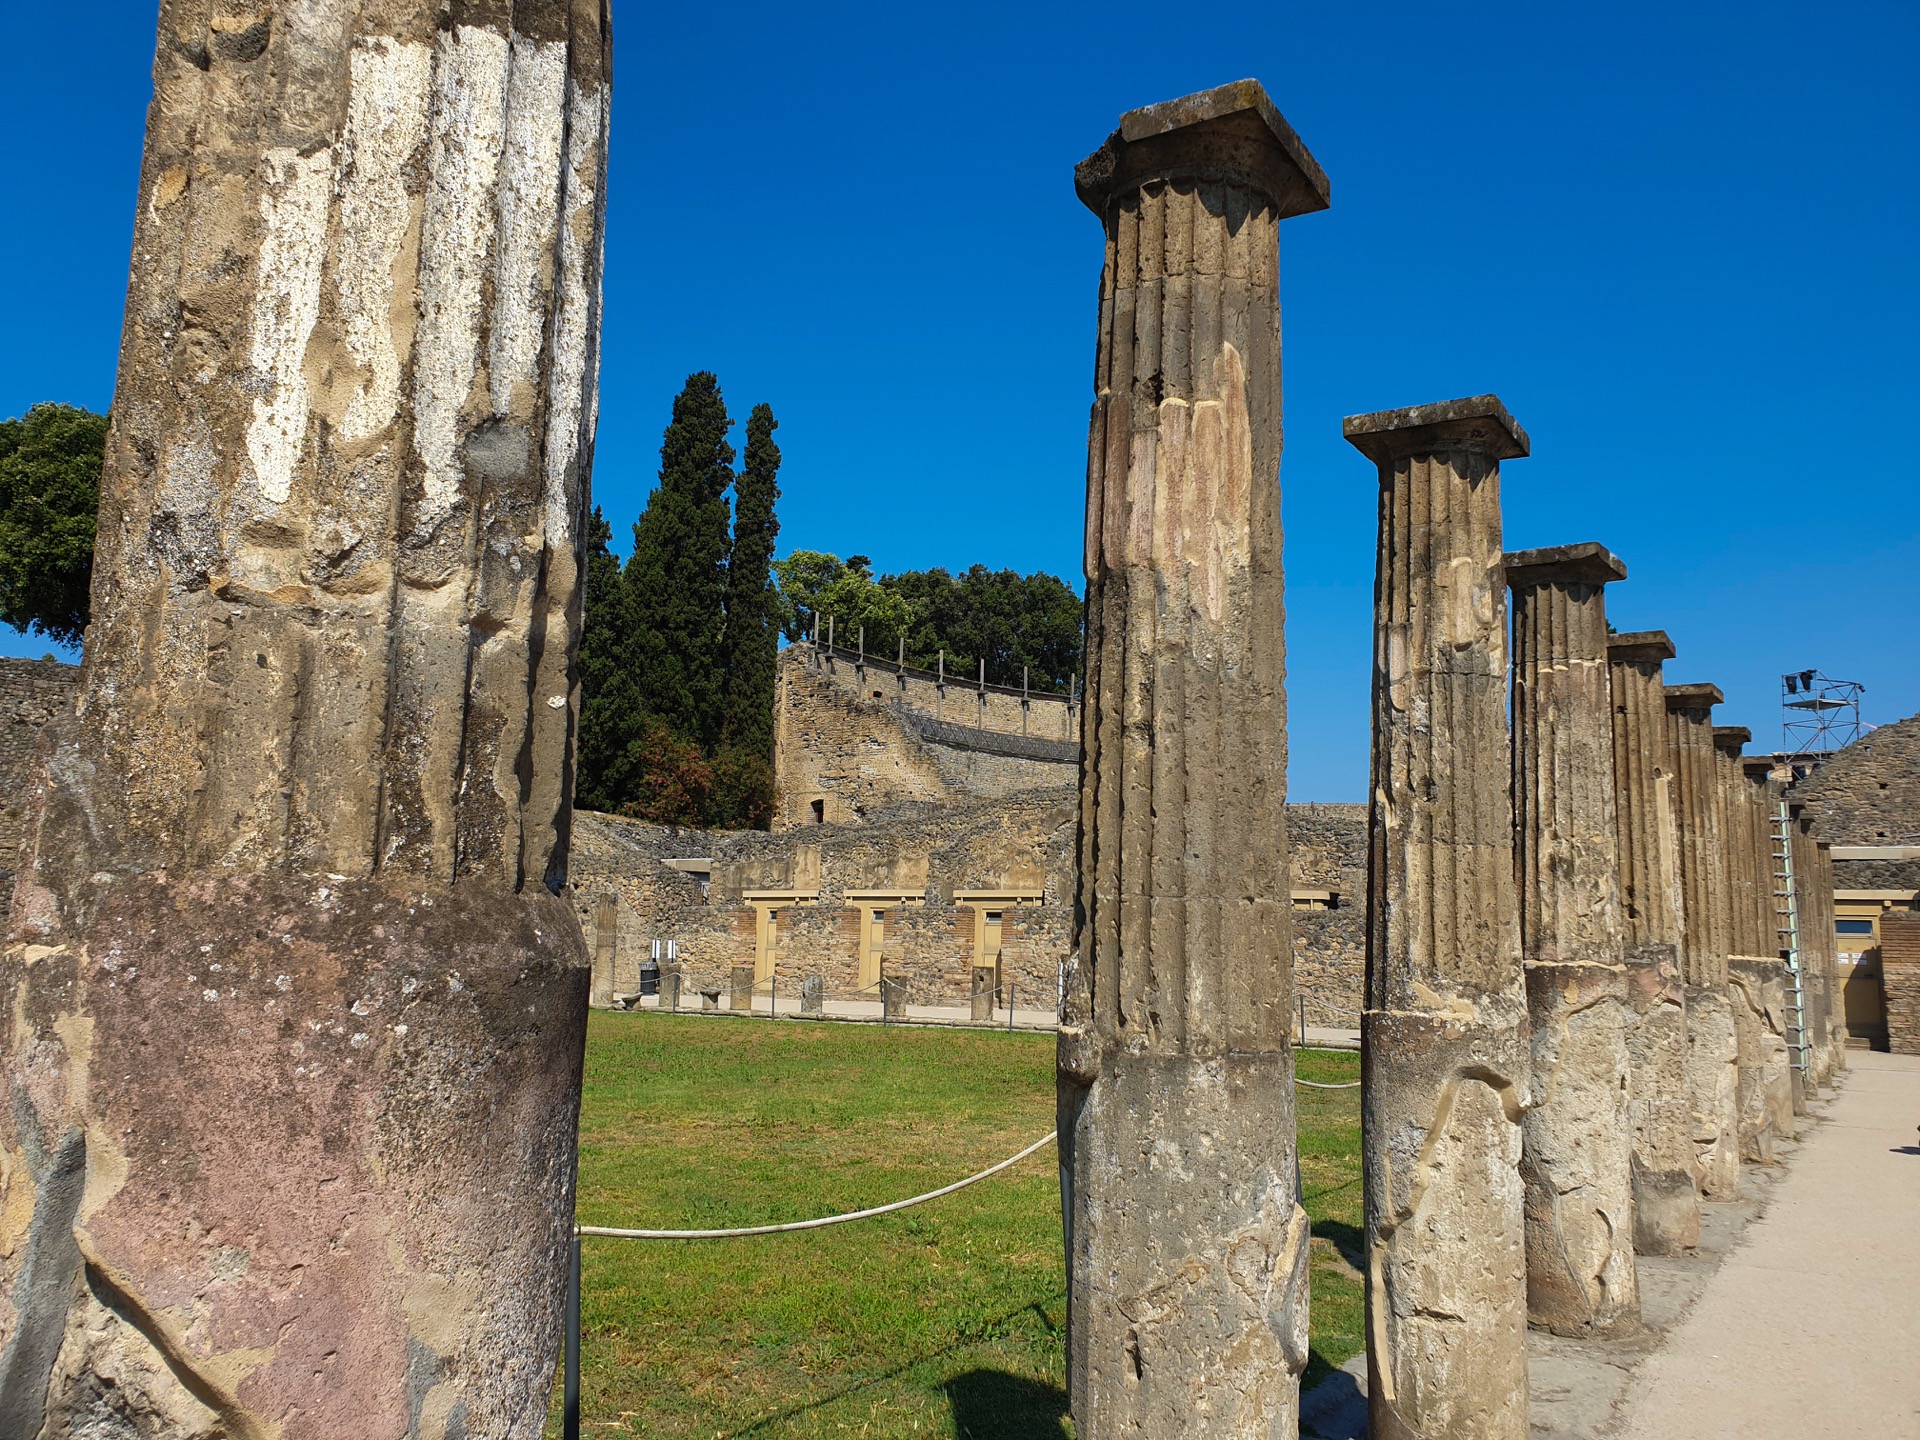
x: 924, y: 830
x: 1865, y: 802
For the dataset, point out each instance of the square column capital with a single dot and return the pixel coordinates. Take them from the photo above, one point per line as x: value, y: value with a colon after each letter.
x: 1635, y: 647
x: 1587, y: 563
x: 1693, y: 697
x: 1731, y: 738
x: 1232, y: 133
x: 1478, y: 424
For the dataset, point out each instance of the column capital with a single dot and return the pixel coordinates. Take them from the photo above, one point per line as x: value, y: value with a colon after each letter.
x: 1731, y: 738
x: 1639, y: 647
x: 1759, y: 767
x: 1479, y: 424
x: 1232, y: 132
x: 1693, y: 697
x: 1587, y: 563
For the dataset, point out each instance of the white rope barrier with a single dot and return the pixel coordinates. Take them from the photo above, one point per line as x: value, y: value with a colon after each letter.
x: 1317, y: 1085
x: 613, y: 1234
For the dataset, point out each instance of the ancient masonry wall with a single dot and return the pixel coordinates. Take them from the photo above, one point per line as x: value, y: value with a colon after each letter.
x: 32, y: 692
x: 853, y: 739
x: 909, y: 862
x: 932, y: 877
x: 1900, y: 980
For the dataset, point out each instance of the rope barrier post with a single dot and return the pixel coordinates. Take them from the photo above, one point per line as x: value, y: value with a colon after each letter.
x: 1303, y: 1020
x: 570, y: 1393
x: 1010, y: 989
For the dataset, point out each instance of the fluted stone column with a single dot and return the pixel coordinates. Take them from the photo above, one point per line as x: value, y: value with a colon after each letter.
x: 1444, y: 1035
x: 1666, y: 1206
x: 1575, y: 1163
x: 1762, y: 794
x: 1186, y: 1252
x: 1749, y: 972
x: 1836, y: 1036
x: 1815, y: 1011
x: 1713, y: 1067
x: 294, y: 1011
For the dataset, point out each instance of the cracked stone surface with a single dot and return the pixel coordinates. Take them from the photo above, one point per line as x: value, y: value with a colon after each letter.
x: 1446, y: 1033
x: 1187, y: 1256
x: 1666, y: 1209
x: 1582, y: 1389
x: 294, y: 1016
x: 1576, y: 1163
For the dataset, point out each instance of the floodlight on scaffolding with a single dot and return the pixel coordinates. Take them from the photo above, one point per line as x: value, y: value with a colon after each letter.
x: 1818, y: 714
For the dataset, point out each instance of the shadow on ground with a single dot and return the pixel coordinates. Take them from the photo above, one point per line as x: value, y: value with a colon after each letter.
x: 996, y: 1405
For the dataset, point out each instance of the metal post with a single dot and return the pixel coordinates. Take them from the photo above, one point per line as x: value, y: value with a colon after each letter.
x: 773, y: 996
x: 1010, y: 1006
x: 570, y: 1393
x: 1303, y: 1021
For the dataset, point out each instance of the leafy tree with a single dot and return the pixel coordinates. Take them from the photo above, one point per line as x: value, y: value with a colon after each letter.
x: 1010, y: 620
x: 611, y: 715
x: 670, y: 782
x: 50, y: 462
x: 752, y: 635
x: 677, y: 576
x: 815, y: 585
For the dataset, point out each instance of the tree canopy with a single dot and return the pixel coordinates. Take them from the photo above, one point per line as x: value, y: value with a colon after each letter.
x: 678, y: 651
x: 1011, y: 621
x: 50, y: 461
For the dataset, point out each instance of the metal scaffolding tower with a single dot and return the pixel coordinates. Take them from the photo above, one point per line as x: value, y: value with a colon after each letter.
x: 1818, y: 715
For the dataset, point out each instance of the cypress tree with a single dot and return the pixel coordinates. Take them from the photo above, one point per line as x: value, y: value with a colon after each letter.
x: 677, y: 576
x: 752, y: 637
x: 611, y: 716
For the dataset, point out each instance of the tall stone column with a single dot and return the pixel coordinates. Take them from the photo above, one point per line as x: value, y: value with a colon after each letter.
x: 1444, y: 1035
x: 1713, y: 1067
x: 294, y: 1011
x: 1186, y: 1252
x: 1666, y: 1207
x: 1836, y: 1038
x: 1575, y: 1161
x: 1750, y: 973
x: 1761, y: 791
x: 1815, y: 1010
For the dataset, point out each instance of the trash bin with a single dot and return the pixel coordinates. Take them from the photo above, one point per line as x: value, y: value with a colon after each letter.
x: 649, y: 977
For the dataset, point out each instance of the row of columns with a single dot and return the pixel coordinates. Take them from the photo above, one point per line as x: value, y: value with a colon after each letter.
x: 1573, y: 993
x: 1609, y: 857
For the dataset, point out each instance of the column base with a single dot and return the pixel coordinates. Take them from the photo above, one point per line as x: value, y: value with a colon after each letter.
x: 1446, y: 1266
x: 298, y: 1153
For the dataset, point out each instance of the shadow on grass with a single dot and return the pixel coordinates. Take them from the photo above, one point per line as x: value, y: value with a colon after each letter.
x: 990, y: 1331
x: 994, y: 1405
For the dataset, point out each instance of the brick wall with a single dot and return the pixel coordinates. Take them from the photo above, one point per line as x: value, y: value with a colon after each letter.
x: 1900, y: 979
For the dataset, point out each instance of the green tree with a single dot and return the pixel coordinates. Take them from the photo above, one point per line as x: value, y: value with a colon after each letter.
x: 1011, y: 621
x: 611, y: 715
x: 50, y: 462
x: 677, y: 576
x: 815, y: 585
x: 752, y: 633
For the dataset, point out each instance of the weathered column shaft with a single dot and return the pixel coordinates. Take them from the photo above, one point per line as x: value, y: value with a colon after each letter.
x: 1814, y: 1011
x: 288, y: 983
x: 1750, y: 973
x: 1187, y: 1254
x: 1830, y: 958
x: 1713, y: 1070
x: 1762, y: 792
x: 1445, y: 1030
x: 1666, y: 1206
x: 1575, y: 1163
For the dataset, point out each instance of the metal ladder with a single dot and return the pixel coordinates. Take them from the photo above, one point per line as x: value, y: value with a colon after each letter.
x: 1786, y: 909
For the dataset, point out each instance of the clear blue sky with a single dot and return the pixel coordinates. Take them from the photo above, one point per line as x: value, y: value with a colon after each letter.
x: 1678, y: 240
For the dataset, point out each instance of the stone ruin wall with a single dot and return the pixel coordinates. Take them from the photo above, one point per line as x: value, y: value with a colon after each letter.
x: 32, y: 692
x: 856, y: 739
x: 1900, y: 981
x: 1022, y: 846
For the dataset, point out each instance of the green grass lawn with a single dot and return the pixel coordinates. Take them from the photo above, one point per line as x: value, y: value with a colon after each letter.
x: 945, y: 1320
